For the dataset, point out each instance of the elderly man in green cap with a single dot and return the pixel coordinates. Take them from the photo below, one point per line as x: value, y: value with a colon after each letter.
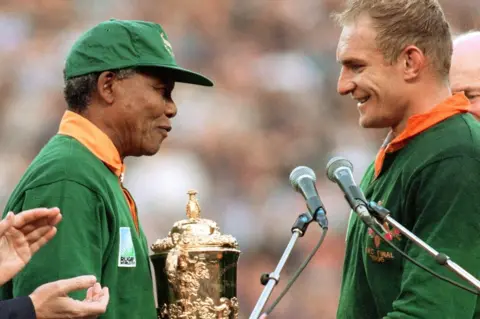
x: 119, y: 78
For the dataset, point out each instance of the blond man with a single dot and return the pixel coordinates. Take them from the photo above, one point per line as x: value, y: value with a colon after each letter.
x: 395, y: 58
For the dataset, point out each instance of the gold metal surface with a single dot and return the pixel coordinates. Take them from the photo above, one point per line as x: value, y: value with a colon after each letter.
x: 186, y: 274
x: 203, y: 310
x: 196, y: 266
x: 194, y: 232
x: 193, y: 207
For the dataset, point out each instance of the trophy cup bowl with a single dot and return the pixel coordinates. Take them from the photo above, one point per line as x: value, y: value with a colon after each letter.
x: 196, y: 269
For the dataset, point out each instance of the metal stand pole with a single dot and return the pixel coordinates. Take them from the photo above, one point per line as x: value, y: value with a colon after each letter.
x: 383, y: 214
x: 271, y: 280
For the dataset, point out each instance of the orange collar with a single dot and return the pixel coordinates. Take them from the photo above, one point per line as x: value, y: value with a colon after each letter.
x: 418, y: 123
x: 94, y: 139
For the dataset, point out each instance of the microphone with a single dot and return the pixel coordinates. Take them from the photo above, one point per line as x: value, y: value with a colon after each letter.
x: 303, y: 181
x: 339, y: 171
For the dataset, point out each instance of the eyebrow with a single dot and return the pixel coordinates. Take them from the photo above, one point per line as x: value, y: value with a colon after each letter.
x: 163, y: 85
x: 351, y: 61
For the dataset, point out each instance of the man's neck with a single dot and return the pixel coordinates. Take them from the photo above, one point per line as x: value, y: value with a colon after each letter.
x: 100, y: 120
x: 424, y: 100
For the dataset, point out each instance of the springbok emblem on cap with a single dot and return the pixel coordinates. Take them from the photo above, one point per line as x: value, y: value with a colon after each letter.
x: 167, y: 44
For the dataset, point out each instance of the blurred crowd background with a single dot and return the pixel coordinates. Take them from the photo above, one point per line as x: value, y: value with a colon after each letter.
x: 274, y: 107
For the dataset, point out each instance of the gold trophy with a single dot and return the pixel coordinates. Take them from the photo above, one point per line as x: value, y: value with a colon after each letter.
x: 196, y: 269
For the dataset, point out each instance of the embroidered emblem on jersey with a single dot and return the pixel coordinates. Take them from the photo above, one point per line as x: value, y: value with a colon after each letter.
x: 377, y: 255
x: 126, y: 250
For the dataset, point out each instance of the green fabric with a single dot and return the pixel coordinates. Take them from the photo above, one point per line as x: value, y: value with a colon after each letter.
x: 67, y: 175
x: 118, y: 44
x: 431, y: 187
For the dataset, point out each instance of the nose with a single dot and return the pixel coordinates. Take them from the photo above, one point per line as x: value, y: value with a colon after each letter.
x: 345, y: 84
x: 171, y: 109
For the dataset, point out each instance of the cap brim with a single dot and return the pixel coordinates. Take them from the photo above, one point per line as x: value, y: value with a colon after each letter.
x: 181, y: 75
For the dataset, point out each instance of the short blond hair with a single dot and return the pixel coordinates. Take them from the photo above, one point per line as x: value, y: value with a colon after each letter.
x: 400, y: 23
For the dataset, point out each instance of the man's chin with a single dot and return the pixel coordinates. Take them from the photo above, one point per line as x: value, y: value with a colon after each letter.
x: 366, y: 122
x: 152, y: 151
x: 148, y: 151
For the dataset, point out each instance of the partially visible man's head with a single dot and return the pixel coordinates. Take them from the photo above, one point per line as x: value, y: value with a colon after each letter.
x: 465, y: 71
x: 120, y: 74
x: 386, y: 49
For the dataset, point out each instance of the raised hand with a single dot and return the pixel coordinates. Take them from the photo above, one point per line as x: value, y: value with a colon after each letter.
x: 22, y: 235
x: 51, y: 300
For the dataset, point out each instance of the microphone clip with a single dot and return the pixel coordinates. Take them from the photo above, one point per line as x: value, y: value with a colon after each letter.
x: 378, y: 211
x: 301, y: 223
x: 303, y: 220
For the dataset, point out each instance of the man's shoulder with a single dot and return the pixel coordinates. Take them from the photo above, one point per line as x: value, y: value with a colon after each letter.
x: 455, y: 140
x: 64, y: 158
x: 68, y: 150
x: 61, y: 147
x: 458, y: 135
x: 463, y: 124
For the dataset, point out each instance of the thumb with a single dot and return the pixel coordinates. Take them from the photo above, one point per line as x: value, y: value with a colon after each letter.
x: 76, y: 283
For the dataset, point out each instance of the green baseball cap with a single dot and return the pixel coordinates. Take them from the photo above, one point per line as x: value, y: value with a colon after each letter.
x: 118, y: 44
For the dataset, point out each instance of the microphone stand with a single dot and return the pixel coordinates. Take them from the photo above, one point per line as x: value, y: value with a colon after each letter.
x: 383, y: 215
x: 299, y: 229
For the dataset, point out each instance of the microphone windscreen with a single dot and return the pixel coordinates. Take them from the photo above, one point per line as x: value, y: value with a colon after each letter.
x: 336, y: 163
x: 301, y: 172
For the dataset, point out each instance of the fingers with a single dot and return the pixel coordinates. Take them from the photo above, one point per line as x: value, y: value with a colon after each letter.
x: 53, y: 221
x: 15, y: 236
x: 35, y: 239
x: 6, y: 223
x: 97, y: 292
x: 89, y: 296
x: 40, y: 237
x: 66, y: 286
x: 102, y: 297
x: 35, y: 225
x: 38, y: 233
x: 105, y: 297
x: 83, y: 309
x: 36, y: 214
x: 51, y: 300
x: 92, y: 307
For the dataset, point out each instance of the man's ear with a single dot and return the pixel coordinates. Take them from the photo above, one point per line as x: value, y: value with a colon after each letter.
x: 414, y: 60
x: 105, y: 86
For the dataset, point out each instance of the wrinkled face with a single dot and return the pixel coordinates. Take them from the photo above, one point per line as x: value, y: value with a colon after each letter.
x: 373, y: 82
x: 142, y: 110
x: 465, y: 71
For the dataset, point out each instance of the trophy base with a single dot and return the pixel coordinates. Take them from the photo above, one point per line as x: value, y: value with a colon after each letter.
x: 201, y: 309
